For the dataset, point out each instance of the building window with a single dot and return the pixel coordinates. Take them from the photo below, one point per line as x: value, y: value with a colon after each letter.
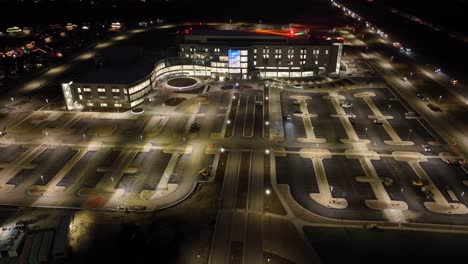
x: 101, y: 90
x: 118, y: 105
x: 81, y: 97
x: 79, y: 90
x: 326, y: 52
x: 115, y: 90
x: 316, y: 62
x: 255, y: 50
x: 90, y: 104
x: 103, y: 104
x: 206, y: 50
x: 87, y: 89
x: 255, y: 63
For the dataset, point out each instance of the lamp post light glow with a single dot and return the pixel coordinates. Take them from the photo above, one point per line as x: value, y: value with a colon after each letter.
x: 267, y: 123
x: 42, y: 178
x: 267, y: 191
x: 267, y: 151
x: 229, y: 122
x: 222, y: 150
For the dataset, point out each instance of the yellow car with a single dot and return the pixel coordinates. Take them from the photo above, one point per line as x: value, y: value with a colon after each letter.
x: 417, y: 183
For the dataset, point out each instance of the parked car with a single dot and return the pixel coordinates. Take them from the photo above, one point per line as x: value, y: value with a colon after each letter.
x: 422, y: 97
x: 426, y: 148
x: 417, y: 182
x: 346, y: 104
x: 377, y: 122
x: 434, y: 108
x: 455, y: 162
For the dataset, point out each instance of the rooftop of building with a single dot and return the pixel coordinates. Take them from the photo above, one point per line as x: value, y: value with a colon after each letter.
x: 120, y: 65
x: 280, y: 36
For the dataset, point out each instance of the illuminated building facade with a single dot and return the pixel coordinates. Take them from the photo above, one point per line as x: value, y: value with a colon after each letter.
x: 121, y: 82
x: 262, y: 54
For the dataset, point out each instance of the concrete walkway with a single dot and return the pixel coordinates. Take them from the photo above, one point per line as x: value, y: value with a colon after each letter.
x: 396, y: 140
x: 51, y: 186
x: 324, y: 197
x: 440, y: 204
x: 9, y: 170
x: 306, y: 119
x: 276, y: 115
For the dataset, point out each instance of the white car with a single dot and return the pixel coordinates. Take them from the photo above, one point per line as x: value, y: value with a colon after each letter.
x: 346, y: 104
x: 298, y: 86
x: 426, y: 148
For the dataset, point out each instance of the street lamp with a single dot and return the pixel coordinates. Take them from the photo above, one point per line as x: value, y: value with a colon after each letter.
x: 267, y: 151
x: 409, y: 134
x: 42, y: 178
x: 222, y: 150
x: 229, y: 122
x: 267, y: 123
x: 267, y: 191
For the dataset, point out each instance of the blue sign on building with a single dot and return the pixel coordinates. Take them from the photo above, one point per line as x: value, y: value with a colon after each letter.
x: 234, y: 58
